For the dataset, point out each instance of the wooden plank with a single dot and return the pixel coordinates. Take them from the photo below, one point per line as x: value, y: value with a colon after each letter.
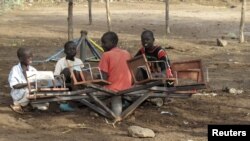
x: 70, y: 20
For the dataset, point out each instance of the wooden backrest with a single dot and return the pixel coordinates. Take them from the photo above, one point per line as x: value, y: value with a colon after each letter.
x: 135, y: 64
x: 44, y: 81
x: 192, y: 69
x: 86, y: 75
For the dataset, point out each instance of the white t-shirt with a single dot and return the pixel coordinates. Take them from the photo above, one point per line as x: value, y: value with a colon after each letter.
x: 16, y: 76
x: 63, y: 63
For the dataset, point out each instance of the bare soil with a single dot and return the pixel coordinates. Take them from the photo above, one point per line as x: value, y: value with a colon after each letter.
x: 194, y: 29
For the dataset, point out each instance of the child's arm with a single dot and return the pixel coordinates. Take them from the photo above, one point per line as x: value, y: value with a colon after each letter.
x: 22, y: 85
x: 104, y: 75
x: 138, y: 53
x: 162, y: 55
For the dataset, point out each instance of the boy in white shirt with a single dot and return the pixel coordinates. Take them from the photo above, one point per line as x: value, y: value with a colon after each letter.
x: 62, y: 67
x: 18, y: 80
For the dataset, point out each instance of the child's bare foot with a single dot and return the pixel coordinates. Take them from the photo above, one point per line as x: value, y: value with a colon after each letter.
x: 17, y: 108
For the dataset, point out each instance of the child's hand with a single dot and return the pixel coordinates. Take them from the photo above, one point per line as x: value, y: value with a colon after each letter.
x: 32, y: 83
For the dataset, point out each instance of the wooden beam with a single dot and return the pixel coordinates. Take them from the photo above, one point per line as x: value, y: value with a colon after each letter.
x: 167, y: 17
x: 70, y: 20
x: 108, y: 15
x: 242, y: 21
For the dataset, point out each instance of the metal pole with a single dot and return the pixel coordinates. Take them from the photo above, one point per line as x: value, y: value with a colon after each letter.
x: 83, y: 48
x: 90, y: 11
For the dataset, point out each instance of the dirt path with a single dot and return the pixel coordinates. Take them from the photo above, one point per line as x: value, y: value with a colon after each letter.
x: 194, y: 30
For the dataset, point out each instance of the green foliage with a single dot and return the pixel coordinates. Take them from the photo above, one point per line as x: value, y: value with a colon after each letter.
x: 10, y: 4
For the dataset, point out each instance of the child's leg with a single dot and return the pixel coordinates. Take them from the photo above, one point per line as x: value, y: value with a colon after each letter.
x: 24, y: 101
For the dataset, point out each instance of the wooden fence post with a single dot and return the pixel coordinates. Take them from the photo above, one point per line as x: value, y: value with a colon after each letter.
x: 167, y: 17
x: 108, y: 15
x: 70, y: 20
x: 242, y: 21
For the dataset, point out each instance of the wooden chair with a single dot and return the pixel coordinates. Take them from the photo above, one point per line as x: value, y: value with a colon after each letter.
x: 150, y: 68
x: 188, y: 72
x: 86, y: 75
x: 45, y: 81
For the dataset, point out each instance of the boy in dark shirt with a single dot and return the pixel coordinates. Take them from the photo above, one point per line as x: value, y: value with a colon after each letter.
x: 154, y: 53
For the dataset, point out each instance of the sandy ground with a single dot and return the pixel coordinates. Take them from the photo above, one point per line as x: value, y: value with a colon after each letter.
x: 194, y: 29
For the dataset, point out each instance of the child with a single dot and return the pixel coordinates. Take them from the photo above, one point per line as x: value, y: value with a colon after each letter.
x: 62, y: 67
x: 154, y: 53
x: 113, y: 64
x: 114, y: 68
x: 18, y: 81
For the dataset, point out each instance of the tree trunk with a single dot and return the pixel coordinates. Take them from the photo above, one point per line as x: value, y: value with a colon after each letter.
x: 70, y: 20
x: 167, y: 17
x: 108, y: 15
x: 90, y: 11
x: 242, y: 21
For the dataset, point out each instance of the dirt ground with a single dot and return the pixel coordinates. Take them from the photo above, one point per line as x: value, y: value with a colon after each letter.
x: 194, y: 29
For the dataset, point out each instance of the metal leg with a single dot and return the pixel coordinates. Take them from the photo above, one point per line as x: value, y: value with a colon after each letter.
x: 95, y: 108
x: 132, y: 107
x: 102, y: 105
x: 116, y: 105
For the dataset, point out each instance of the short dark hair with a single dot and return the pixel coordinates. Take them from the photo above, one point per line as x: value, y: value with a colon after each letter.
x: 112, y: 36
x: 21, y: 51
x: 68, y: 44
x: 147, y: 32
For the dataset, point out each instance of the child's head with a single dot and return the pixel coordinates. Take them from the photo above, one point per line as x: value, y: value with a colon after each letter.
x: 147, y: 39
x: 25, y: 56
x: 109, y: 40
x: 70, y: 49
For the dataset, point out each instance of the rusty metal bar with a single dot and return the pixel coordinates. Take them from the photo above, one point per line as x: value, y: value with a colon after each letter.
x: 101, y: 89
x: 141, y: 87
x: 95, y: 108
x: 61, y: 98
x: 65, y: 93
x: 102, y: 105
x: 132, y: 107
